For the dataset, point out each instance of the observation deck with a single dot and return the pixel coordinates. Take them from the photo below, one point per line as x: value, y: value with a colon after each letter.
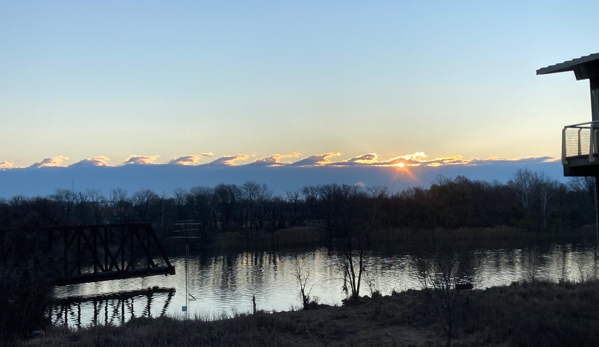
x: 580, y: 152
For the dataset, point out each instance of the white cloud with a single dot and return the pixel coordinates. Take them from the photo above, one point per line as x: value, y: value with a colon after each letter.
x: 193, y: 159
x: 6, y: 165
x: 317, y: 160
x: 364, y: 159
x: 141, y: 160
x: 275, y: 159
x: 420, y: 159
x: 92, y: 162
x: 495, y: 160
x: 229, y: 160
x: 50, y: 162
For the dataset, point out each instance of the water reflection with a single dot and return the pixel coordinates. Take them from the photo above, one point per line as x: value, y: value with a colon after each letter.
x: 110, y: 309
x: 225, y: 283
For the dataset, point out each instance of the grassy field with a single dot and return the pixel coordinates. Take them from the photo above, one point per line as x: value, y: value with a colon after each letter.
x: 522, y: 314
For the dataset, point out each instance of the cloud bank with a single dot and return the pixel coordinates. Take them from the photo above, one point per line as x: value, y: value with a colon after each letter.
x: 278, y: 171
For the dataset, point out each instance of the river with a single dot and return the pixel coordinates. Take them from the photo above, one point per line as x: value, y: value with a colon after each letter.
x: 223, y: 284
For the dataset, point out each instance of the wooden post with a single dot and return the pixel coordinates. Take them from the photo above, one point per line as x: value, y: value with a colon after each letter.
x: 597, y: 215
x: 78, y: 232
x: 254, y: 303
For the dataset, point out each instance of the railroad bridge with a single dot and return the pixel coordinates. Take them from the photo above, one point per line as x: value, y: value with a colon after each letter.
x: 89, y: 253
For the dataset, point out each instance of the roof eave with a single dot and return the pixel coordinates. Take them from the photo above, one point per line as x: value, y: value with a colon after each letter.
x: 575, y: 65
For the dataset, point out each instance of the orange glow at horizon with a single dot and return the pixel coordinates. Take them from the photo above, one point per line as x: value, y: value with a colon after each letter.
x: 403, y: 167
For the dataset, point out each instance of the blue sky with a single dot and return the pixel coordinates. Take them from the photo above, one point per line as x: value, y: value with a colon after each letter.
x: 167, y: 80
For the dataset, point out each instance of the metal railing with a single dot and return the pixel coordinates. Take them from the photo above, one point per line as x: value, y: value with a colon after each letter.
x: 580, y: 139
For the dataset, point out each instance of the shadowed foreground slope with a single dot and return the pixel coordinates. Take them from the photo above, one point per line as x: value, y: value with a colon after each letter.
x: 540, y: 314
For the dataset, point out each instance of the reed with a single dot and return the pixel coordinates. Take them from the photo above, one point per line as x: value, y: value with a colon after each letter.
x: 459, y: 234
x: 298, y: 236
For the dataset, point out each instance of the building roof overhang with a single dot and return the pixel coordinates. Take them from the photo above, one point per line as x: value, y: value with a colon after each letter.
x: 584, y: 68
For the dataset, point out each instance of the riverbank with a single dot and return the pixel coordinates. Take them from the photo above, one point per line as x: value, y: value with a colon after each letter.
x: 539, y: 314
x: 313, y: 235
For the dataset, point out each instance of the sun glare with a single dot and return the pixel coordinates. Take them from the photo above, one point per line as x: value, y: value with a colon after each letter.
x: 402, y: 169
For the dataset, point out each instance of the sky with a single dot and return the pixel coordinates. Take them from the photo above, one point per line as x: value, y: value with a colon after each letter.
x: 445, y: 85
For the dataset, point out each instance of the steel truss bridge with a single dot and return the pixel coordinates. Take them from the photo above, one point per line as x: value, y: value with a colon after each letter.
x: 89, y: 253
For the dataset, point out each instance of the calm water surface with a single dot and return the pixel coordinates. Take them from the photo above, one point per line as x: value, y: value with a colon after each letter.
x: 224, y: 284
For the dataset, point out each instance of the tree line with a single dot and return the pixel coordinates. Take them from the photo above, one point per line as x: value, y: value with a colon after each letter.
x: 529, y: 200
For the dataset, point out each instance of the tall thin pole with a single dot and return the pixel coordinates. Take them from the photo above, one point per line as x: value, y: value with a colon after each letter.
x: 597, y: 215
x: 186, y: 282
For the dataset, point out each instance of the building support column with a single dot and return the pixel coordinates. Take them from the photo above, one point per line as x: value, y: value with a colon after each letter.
x: 594, y: 84
x: 597, y: 216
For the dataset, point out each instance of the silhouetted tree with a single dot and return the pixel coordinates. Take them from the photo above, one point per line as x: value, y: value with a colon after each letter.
x: 142, y: 201
x: 439, y: 274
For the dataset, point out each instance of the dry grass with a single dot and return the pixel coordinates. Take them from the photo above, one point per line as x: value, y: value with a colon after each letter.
x: 311, y: 235
x: 522, y: 314
x: 295, y: 236
x: 298, y: 236
x: 539, y: 314
x: 441, y: 234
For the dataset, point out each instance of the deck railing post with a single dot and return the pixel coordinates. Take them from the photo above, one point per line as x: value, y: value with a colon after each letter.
x: 592, y: 145
x: 564, y: 160
x: 579, y: 142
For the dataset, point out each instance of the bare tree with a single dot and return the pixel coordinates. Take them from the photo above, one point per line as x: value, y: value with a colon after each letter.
x: 439, y: 275
x: 165, y: 205
x: 583, y: 184
x: 533, y: 265
x: 377, y: 196
x: 119, y: 203
x: 255, y: 195
x: 302, y: 274
x: 142, y: 200
x: 524, y: 183
x: 97, y: 201
x: 227, y: 198
x: 65, y: 198
x: 202, y: 204
x: 351, y: 254
x: 294, y: 203
x: 180, y: 197
x: 547, y: 190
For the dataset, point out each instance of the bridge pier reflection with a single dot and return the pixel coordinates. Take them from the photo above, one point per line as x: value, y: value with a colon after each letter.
x: 109, y: 309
